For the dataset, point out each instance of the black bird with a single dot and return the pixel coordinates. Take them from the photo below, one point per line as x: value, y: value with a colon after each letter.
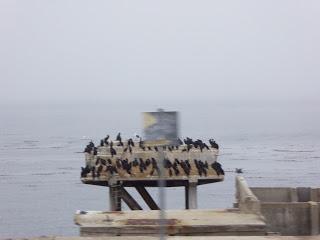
x: 87, y: 149
x: 112, y: 151
x: 135, y: 162
x: 205, y: 146
x: 156, y: 148
x: 120, y: 144
x: 125, y: 149
x: 180, y: 141
x: 149, y: 148
x: 142, y: 164
x: 118, y: 137
x: 176, y: 161
x: 155, y: 166
x: 206, y: 165
x: 118, y: 163
x: 130, y: 149
x: 148, y: 162
x: 185, y: 168
x: 167, y: 163
x: 95, y: 150
x: 101, y: 143
x: 188, y: 164
x: 238, y: 170
x: 213, y: 144
x: 85, y: 171
x: 91, y: 144
x: 130, y: 142
x: 175, y: 169
x: 217, y: 167
x: 188, y: 141
x: 106, y: 140
x: 99, y: 170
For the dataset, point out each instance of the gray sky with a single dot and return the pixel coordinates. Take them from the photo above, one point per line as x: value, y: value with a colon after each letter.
x: 104, y: 50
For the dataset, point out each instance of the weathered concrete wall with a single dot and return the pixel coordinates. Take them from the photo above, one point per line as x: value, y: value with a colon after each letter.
x: 273, y: 194
x: 283, y: 194
x: 287, y: 218
x: 289, y: 211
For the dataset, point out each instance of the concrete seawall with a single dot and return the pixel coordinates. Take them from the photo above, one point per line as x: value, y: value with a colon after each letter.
x: 289, y: 211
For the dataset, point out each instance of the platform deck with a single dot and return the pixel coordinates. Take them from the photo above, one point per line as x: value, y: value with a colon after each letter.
x: 153, y: 181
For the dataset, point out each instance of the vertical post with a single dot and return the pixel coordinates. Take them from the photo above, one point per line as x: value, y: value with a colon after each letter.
x: 191, y: 195
x: 162, y: 197
x: 114, y: 196
x: 314, y: 218
x: 186, y: 194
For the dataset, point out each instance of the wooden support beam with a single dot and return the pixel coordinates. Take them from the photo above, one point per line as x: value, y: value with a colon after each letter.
x: 129, y: 200
x: 147, y: 198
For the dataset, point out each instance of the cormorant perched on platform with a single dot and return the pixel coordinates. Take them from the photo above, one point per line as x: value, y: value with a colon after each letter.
x: 148, y: 162
x: 217, y: 167
x: 112, y: 151
x: 118, y: 163
x: 87, y: 149
x: 101, y: 143
x: 91, y: 144
x: 130, y: 142
x: 95, y: 150
x: 118, y: 137
x: 85, y: 171
x: 106, y: 140
x: 120, y: 144
x: 213, y: 144
x: 130, y: 149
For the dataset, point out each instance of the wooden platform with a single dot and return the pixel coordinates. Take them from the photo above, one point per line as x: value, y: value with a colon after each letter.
x: 178, y: 222
x: 153, y: 181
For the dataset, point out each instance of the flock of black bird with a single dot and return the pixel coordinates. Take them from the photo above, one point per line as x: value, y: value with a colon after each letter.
x: 149, y: 166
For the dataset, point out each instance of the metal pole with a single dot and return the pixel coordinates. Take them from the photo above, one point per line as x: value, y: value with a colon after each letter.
x: 162, y: 196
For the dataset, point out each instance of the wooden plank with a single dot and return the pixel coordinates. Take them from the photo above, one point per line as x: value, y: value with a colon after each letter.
x: 147, y: 198
x: 129, y: 200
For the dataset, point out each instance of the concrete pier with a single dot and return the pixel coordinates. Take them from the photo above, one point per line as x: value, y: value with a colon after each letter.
x: 204, y: 222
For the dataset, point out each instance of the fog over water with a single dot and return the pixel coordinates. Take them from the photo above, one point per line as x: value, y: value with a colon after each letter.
x: 243, y: 72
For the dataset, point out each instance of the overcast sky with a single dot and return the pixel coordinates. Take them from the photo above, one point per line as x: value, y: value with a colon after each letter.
x: 141, y: 49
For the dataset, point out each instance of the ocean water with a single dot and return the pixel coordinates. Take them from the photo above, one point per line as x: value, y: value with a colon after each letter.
x: 41, y: 154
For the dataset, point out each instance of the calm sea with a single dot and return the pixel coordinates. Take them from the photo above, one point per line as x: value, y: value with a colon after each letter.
x: 41, y: 145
